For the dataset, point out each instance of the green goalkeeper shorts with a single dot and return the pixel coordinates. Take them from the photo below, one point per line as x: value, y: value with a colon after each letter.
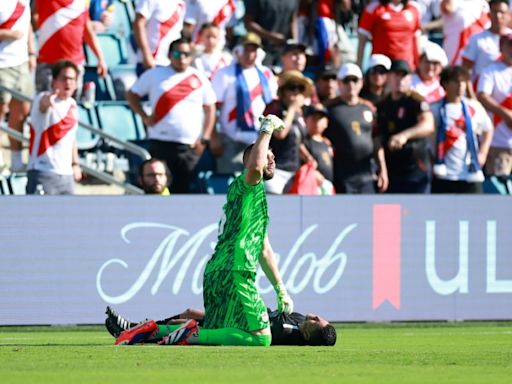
x: 231, y: 300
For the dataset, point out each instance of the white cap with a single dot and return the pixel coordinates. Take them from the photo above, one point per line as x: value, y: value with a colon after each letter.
x: 349, y: 69
x: 434, y: 52
x: 378, y: 59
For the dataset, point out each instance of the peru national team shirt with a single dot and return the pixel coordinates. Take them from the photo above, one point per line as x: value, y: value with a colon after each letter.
x: 432, y: 91
x: 164, y: 25
x: 61, y: 30
x: 457, y: 155
x: 210, y: 63
x: 393, y: 29
x: 468, y: 18
x: 14, y: 16
x: 52, y: 135
x: 496, y: 81
x: 224, y: 85
x: 177, y: 100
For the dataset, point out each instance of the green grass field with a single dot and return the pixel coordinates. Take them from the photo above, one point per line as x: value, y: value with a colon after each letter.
x: 477, y: 352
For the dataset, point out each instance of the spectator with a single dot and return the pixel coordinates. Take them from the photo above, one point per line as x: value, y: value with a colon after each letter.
x: 326, y: 84
x: 213, y: 57
x: 157, y: 24
x: 275, y: 22
x: 243, y: 90
x: 320, y: 27
x: 350, y: 132
x: 17, y: 61
x: 101, y: 13
x: 53, y: 165
x: 404, y: 122
x: 177, y: 132
x: 217, y: 12
x: 63, y: 29
x: 425, y: 80
x: 495, y: 94
x: 459, y: 122
x: 293, y: 57
x: 317, y: 148
x: 154, y: 177
x: 461, y: 20
x: 484, y: 47
x: 293, y: 90
x: 374, y: 85
x: 394, y: 29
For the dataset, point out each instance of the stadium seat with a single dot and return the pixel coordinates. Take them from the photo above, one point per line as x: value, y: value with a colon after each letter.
x: 123, y: 77
x: 122, y: 19
x: 113, y: 48
x: 216, y: 183
x: 498, y: 185
x: 104, y: 85
x: 117, y: 119
x: 86, y: 140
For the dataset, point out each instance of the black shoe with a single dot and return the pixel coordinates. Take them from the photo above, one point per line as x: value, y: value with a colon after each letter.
x: 116, y: 324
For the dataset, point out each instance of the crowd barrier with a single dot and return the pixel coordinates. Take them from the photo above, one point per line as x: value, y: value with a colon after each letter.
x: 360, y: 258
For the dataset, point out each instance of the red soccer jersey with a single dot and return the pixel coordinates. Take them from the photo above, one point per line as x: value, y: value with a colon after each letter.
x: 393, y: 29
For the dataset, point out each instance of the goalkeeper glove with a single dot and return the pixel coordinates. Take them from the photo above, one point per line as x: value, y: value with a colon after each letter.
x: 284, y: 301
x: 271, y: 123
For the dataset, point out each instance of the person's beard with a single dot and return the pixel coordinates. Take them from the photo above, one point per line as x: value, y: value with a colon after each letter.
x: 267, y: 174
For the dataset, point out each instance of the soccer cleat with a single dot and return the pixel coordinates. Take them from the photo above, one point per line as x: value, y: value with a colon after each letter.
x: 116, y: 324
x: 182, y: 334
x: 137, y: 334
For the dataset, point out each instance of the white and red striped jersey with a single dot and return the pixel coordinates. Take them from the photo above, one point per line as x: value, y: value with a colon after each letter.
x: 210, y: 63
x: 218, y: 12
x: 15, y: 16
x: 164, y: 25
x: 61, y: 30
x: 393, y: 29
x: 52, y: 135
x: 468, y: 18
x: 177, y: 100
x: 431, y: 90
x: 224, y: 85
x: 457, y: 155
x: 496, y: 81
x: 483, y: 49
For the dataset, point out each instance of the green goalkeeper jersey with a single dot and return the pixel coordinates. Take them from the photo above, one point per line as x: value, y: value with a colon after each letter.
x: 242, y: 228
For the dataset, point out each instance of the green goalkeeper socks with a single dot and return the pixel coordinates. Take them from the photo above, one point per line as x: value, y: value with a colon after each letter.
x: 230, y: 336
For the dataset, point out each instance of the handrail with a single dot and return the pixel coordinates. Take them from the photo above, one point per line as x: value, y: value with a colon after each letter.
x: 130, y: 147
x: 103, y: 176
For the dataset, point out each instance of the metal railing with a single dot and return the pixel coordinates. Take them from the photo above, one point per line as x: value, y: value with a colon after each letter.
x: 109, y: 139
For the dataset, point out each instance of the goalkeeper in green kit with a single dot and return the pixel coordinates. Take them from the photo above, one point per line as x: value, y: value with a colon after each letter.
x: 235, y: 313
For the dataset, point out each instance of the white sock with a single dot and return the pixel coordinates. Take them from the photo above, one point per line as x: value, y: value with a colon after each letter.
x: 16, y: 160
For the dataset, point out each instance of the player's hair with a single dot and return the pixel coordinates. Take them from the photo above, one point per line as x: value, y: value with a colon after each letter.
x: 61, y: 65
x: 181, y: 40
x: 247, y: 152
x: 453, y: 72
x: 323, y: 336
x: 492, y: 2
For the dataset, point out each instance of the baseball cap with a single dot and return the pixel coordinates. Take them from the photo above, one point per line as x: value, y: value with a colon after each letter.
x: 433, y: 52
x: 349, y: 69
x: 314, y: 109
x: 327, y: 70
x: 400, y: 66
x: 292, y: 45
x: 251, y: 38
x: 296, y: 77
x: 378, y: 59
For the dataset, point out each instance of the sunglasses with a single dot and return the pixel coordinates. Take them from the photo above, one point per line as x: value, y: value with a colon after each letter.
x: 295, y: 88
x: 348, y: 80
x: 179, y: 54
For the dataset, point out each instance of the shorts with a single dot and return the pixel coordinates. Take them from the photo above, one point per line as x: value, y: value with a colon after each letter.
x: 499, y: 162
x: 18, y: 78
x: 51, y: 183
x: 231, y: 300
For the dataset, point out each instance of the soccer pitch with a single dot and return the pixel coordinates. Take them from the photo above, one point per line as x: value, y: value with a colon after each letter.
x: 475, y: 352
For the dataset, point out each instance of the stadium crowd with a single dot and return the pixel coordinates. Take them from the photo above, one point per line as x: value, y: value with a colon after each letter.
x: 415, y: 114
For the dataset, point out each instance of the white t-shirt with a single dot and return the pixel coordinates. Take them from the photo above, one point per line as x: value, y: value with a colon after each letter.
x: 224, y: 85
x: 457, y: 155
x: 468, y: 18
x: 496, y: 81
x: 15, y: 16
x: 164, y: 25
x: 210, y: 63
x: 482, y: 50
x: 431, y: 91
x: 52, y: 135
x: 177, y: 100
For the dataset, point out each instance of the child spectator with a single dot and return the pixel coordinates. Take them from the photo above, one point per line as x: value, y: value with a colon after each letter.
x: 213, y: 57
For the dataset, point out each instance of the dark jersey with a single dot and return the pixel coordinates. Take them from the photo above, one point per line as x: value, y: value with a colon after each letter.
x: 285, y: 328
x: 322, y: 153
